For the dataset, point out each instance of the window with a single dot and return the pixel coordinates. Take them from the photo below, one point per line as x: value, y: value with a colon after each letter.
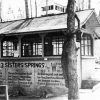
x: 9, y: 46
x: 56, y: 7
x: 31, y: 46
x: 87, y: 45
x: 53, y: 44
x: 51, y: 7
x: 63, y: 10
x: 47, y: 8
x: 44, y: 8
x: 59, y: 8
x: 57, y: 43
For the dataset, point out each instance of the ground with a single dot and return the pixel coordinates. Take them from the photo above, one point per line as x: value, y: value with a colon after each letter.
x: 85, y: 94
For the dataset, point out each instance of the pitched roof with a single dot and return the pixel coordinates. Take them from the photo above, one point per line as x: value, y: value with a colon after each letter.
x: 42, y: 23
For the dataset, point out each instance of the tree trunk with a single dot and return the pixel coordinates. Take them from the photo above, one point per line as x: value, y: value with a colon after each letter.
x: 69, y: 65
x: 69, y: 55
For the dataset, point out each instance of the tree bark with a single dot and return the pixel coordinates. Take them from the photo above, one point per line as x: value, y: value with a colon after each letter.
x: 69, y: 55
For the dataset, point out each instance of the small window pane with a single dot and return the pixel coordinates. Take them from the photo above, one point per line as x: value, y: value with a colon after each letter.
x: 86, y: 45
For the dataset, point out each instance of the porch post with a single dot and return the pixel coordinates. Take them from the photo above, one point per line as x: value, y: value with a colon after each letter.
x: 42, y: 45
x: 42, y: 36
x: 0, y: 47
x: 19, y: 45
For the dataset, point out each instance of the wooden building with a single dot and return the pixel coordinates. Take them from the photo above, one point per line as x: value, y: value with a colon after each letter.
x: 30, y: 50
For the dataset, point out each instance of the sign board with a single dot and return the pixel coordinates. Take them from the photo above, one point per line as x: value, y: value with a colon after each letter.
x: 30, y: 74
x: 4, y: 92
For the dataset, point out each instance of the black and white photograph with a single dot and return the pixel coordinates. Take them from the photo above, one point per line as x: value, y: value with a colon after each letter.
x: 49, y: 49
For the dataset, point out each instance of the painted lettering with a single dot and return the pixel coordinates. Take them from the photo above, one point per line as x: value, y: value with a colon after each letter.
x: 21, y: 65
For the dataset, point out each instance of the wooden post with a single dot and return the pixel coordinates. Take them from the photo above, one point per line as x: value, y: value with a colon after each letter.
x: 19, y: 44
x: 0, y: 48
x: 42, y: 36
x: 4, y: 92
x: 7, y: 97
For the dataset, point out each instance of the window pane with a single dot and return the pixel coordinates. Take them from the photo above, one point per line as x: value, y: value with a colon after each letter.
x: 89, y: 42
x: 51, y: 7
x: 8, y: 48
x: 86, y: 45
x: 32, y: 46
x: 86, y: 50
x: 9, y: 43
x: 37, y: 48
x: 82, y: 50
x: 60, y: 51
x: 56, y: 43
x: 90, y: 52
x: 40, y: 48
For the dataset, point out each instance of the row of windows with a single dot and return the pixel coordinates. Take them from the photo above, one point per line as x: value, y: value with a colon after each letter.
x: 59, y: 8
x: 51, y: 7
x: 48, y: 8
x: 32, y: 46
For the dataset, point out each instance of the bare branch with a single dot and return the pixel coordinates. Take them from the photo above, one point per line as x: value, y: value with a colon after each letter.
x: 78, y: 20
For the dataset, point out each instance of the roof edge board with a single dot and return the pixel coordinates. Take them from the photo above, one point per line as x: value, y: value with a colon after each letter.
x: 88, y: 17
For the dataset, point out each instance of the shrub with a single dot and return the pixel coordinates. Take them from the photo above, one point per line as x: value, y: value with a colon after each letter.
x: 88, y: 84
x: 46, y: 91
x: 17, y: 91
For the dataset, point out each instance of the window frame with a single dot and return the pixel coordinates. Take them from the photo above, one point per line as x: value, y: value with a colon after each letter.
x: 86, y: 45
x: 10, y: 46
x: 32, y: 42
x: 54, y: 44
